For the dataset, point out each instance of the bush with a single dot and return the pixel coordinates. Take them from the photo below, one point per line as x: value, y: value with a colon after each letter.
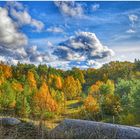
x: 128, y: 119
x: 48, y: 115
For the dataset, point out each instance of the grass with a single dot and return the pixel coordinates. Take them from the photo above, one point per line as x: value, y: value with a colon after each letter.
x: 71, y: 110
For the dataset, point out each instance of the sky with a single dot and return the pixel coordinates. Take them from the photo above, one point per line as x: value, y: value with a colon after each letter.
x: 66, y: 34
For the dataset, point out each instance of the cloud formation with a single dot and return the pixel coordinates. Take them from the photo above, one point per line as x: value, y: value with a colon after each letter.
x: 34, y: 55
x: 13, y: 42
x: 133, y: 19
x: 69, y: 8
x: 10, y: 37
x: 83, y: 46
x: 22, y: 17
x: 55, y: 30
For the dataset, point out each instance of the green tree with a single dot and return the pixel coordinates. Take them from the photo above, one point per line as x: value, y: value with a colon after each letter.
x: 7, y: 96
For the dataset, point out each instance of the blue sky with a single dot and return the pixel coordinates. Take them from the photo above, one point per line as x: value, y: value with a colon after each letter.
x: 68, y: 34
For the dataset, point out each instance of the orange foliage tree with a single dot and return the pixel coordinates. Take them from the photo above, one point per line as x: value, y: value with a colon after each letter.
x: 91, y: 104
x: 58, y: 82
x: 43, y: 102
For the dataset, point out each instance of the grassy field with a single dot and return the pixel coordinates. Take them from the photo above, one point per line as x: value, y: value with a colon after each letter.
x: 71, y: 110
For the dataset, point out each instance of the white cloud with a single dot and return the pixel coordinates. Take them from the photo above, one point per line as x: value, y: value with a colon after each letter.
x: 38, y: 24
x: 23, y: 17
x: 55, y: 30
x: 10, y: 37
x: 95, y: 7
x: 69, y: 8
x: 36, y: 56
x: 93, y: 63
x: 131, y: 31
x: 82, y: 46
x: 133, y: 19
x: 13, y: 43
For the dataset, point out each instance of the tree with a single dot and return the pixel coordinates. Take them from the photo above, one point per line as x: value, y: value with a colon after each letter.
x: 107, y: 88
x: 55, y: 82
x: 7, y: 96
x: 78, y: 87
x: 91, y: 108
x: 91, y: 105
x: 43, y: 102
x: 94, y: 90
x: 23, y: 102
x: 71, y: 88
x: 77, y: 74
x: 124, y: 91
x: 111, y: 105
x: 58, y: 82
x: 31, y: 80
x: 6, y: 71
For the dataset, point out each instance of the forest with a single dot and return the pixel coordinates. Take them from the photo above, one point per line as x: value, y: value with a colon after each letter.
x: 109, y: 94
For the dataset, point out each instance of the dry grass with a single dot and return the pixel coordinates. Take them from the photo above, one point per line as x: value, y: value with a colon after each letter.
x: 24, y: 130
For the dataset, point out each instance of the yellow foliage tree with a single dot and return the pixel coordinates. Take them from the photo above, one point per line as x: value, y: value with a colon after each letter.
x: 95, y: 89
x: 58, y: 82
x: 31, y: 79
x: 5, y: 71
x: 17, y: 86
x: 91, y: 104
x: 72, y: 88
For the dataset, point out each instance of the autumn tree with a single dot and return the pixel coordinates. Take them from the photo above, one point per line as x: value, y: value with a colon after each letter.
x: 6, y: 71
x: 43, y: 102
x: 94, y: 90
x: 91, y: 108
x: 91, y: 104
x: 111, y: 105
x: 31, y: 80
x: 77, y: 74
x: 71, y: 88
x: 58, y: 82
x: 55, y: 82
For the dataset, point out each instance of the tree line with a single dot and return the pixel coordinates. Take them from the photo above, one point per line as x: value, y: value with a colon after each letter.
x: 110, y: 93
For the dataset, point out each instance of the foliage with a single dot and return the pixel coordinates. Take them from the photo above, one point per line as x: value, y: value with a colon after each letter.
x: 7, y: 96
x: 111, y: 105
x: 43, y: 102
x: 91, y: 104
x: 110, y: 91
x: 72, y: 88
x: 128, y: 119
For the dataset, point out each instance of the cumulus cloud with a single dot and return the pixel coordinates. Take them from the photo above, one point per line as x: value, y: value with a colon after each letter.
x: 69, y: 8
x: 13, y: 43
x: 10, y: 37
x: 22, y: 16
x: 83, y: 46
x: 95, y: 7
x: 55, y: 30
x: 36, y: 56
